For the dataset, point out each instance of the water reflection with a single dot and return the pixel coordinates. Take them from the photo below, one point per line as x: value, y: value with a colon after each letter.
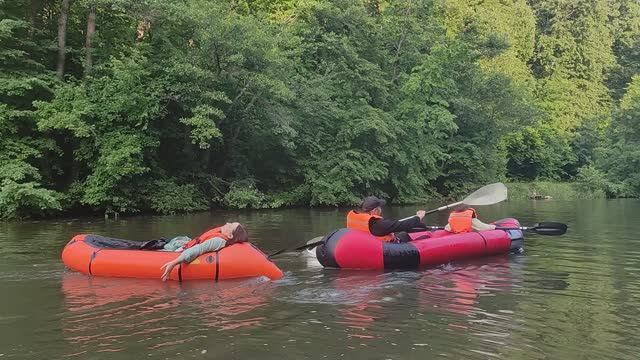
x: 365, y: 296
x: 370, y: 306
x: 458, y: 288
x: 104, y: 314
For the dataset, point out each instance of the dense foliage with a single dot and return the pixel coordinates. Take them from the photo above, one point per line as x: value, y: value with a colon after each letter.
x: 182, y: 105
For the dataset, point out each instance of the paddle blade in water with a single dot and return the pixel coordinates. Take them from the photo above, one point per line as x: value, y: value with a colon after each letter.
x: 550, y: 228
x: 315, y: 240
x: 311, y: 243
x: 487, y: 195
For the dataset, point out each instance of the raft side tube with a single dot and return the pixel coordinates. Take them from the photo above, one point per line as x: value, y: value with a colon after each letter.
x: 235, y: 261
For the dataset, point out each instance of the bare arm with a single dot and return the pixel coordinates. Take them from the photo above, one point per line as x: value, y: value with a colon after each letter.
x: 476, y: 224
x: 480, y: 226
x: 210, y: 245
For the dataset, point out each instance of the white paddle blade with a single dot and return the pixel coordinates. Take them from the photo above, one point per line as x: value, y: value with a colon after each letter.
x: 487, y: 195
x: 314, y: 240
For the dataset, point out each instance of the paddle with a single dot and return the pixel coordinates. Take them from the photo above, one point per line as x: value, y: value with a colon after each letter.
x: 544, y: 228
x: 311, y: 243
x: 486, y: 195
x: 548, y: 228
x: 320, y: 239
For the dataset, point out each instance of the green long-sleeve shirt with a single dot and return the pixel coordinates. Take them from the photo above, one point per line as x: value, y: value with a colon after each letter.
x: 209, y: 245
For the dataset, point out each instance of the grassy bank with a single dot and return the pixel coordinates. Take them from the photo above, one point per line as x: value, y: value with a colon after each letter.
x: 557, y: 190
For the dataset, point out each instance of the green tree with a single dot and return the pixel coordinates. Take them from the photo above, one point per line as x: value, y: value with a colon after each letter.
x: 620, y: 157
x: 23, y: 78
x: 625, y: 26
x: 169, y: 106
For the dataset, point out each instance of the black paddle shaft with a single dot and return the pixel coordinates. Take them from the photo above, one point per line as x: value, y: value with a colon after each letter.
x: 548, y: 228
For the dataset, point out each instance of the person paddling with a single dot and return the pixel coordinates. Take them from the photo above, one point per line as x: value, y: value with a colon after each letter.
x: 369, y: 219
x: 210, y: 241
x: 464, y: 219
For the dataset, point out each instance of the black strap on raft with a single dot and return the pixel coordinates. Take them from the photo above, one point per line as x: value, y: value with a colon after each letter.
x: 180, y: 272
x: 483, y: 238
x: 217, y: 256
x: 400, y: 255
x: 93, y: 256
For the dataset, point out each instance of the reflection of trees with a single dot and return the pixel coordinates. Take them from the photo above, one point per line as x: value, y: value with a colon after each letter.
x: 580, y: 305
x: 109, y: 315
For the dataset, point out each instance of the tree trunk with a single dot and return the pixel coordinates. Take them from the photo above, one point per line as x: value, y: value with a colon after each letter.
x: 62, y: 37
x: 33, y: 15
x: 91, y: 29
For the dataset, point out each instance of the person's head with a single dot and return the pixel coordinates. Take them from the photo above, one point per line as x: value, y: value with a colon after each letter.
x: 235, y: 231
x: 463, y: 207
x: 372, y: 205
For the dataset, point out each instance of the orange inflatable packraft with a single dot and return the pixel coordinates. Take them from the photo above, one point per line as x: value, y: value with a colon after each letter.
x: 87, y: 254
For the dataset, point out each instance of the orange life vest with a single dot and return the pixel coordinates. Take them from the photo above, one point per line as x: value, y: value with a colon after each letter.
x: 360, y: 221
x: 205, y: 236
x: 461, y: 221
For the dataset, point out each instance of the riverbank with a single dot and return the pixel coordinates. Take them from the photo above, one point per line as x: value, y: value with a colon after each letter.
x: 554, y: 190
x: 543, y: 190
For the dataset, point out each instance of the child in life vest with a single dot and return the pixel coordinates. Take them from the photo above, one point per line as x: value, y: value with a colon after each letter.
x: 464, y: 219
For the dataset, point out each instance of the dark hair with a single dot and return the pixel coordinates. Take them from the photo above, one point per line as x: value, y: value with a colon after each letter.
x: 370, y: 203
x: 461, y: 207
x: 240, y: 234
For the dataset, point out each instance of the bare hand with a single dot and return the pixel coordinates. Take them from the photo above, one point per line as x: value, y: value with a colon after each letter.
x: 167, y: 270
x: 421, y: 214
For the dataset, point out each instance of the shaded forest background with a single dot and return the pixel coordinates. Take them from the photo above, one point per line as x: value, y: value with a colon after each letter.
x: 172, y: 106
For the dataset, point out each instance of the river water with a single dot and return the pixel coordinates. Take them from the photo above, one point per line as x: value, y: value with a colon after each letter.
x: 575, y: 296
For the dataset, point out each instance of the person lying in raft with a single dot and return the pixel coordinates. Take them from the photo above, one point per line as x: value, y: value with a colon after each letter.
x: 210, y: 241
x: 369, y: 219
x: 464, y: 219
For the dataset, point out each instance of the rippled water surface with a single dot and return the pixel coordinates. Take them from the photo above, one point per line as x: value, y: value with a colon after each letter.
x: 575, y: 296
